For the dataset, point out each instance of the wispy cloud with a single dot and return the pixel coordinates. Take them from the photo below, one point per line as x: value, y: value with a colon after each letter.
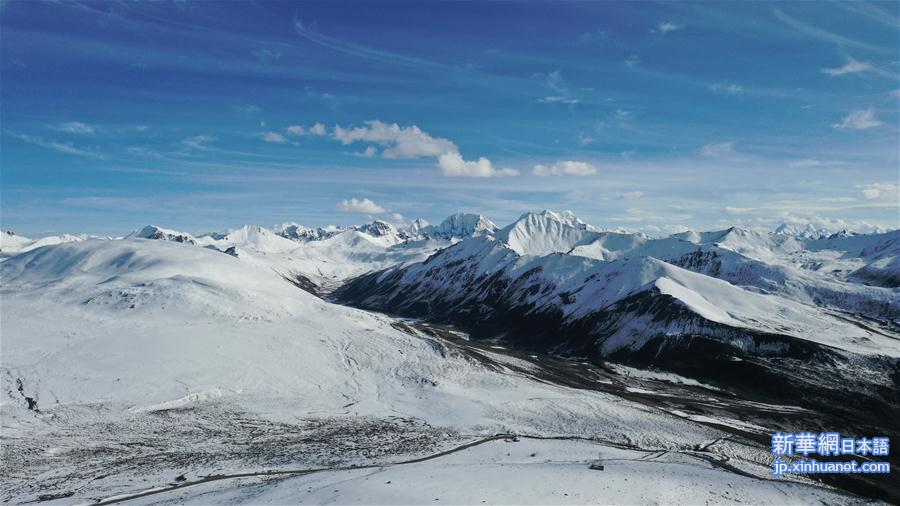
x: 818, y: 33
x: 562, y: 94
x: 860, y: 119
x: 364, y: 206
x: 248, y: 109
x: 665, y: 27
x: 274, y: 137
x: 77, y: 127
x: 718, y: 150
x: 851, y: 67
x: 596, y: 36
x: 266, y: 55
x: 565, y: 168
x: 812, y: 163
x: 63, y: 147
x: 633, y: 195
x: 873, y: 12
x: 875, y: 191
x: 309, y: 31
x: 726, y: 89
x: 198, y: 141
x: 556, y: 99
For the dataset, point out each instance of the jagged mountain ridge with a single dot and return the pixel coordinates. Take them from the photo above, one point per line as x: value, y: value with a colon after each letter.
x: 142, y: 326
x: 696, y: 303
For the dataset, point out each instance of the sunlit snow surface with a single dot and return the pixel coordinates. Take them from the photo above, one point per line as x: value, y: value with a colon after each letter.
x: 150, y: 360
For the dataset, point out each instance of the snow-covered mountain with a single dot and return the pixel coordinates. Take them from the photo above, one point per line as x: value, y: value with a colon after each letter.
x: 158, y: 348
x: 455, y: 226
x: 11, y: 244
x: 693, y: 303
x: 156, y: 344
x: 808, y: 231
x: 163, y: 234
x: 538, y: 234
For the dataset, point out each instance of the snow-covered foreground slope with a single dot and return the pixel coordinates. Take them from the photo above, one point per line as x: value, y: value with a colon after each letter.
x: 127, y: 363
x: 525, y: 472
x: 111, y: 339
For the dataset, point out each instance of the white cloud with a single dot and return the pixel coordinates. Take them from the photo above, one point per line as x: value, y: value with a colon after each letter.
x: 248, y: 109
x: 274, y: 137
x: 632, y: 61
x: 453, y: 165
x: 364, y: 206
x: 198, y: 141
x: 561, y: 92
x: 565, y: 168
x: 718, y: 150
x: 876, y: 191
x: 812, y: 162
x: 369, y: 152
x: 851, y: 67
x: 77, y: 127
x: 667, y: 27
x: 556, y: 99
x: 632, y: 195
x: 399, y: 142
x: 63, y: 147
x: 727, y: 89
x: 265, y: 55
x: 860, y: 119
x: 299, y: 130
x: 412, y: 142
x: 818, y: 33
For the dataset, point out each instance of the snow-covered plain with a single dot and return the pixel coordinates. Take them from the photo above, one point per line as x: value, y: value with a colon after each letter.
x: 127, y: 363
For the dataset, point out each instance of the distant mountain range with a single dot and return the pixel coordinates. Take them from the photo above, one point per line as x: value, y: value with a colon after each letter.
x: 463, y: 325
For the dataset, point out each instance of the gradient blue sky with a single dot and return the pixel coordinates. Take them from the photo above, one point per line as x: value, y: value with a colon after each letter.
x: 651, y: 116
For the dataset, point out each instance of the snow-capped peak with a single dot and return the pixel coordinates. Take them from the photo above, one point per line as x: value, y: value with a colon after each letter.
x: 162, y: 234
x: 460, y: 226
x: 416, y: 228
x: 545, y: 233
x: 808, y: 231
x: 378, y: 228
x: 10, y: 241
x: 298, y: 232
x: 566, y: 217
x: 259, y: 238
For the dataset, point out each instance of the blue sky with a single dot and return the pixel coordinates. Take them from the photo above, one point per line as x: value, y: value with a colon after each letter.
x: 652, y: 116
